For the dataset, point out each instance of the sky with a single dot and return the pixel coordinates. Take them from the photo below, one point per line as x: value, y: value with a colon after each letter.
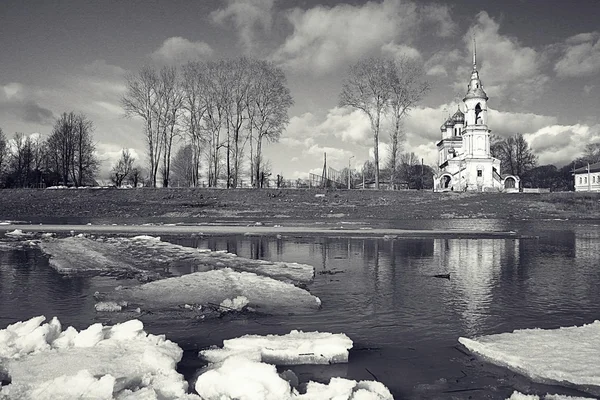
x: 539, y: 61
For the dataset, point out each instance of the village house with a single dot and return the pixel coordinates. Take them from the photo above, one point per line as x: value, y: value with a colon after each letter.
x: 587, y: 178
x: 464, y: 156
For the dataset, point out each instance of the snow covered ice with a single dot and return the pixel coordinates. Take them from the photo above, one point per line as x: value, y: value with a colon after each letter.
x: 295, y: 348
x: 143, y: 253
x: 520, y: 396
x: 122, y: 362
x: 565, y: 356
x: 263, y: 294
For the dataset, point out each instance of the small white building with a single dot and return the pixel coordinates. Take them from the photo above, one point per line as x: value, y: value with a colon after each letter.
x: 587, y: 179
x: 464, y: 157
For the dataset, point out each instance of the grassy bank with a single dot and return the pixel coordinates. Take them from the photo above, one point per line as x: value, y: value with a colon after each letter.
x: 203, y: 205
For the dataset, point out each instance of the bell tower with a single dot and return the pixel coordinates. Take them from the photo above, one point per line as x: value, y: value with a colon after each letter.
x: 476, y: 135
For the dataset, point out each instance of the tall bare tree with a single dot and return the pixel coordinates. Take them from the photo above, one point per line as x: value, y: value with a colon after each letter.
x: 270, y: 101
x: 407, y: 89
x: 142, y: 100
x: 194, y: 108
x: 170, y: 102
x: 367, y: 88
x: 183, y: 166
x: 3, y: 151
x: 591, y: 153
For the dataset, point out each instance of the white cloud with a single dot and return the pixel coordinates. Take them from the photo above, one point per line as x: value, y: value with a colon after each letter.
x: 179, y: 50
x: 560, y: 144
x: 327, y: 38
x: 335, y: 155
x: 439, y: 16
x: 249, y: 16
x: 437, y: 63
x: 109, y: 154
x: 580, y: 56
x: 399, y: 51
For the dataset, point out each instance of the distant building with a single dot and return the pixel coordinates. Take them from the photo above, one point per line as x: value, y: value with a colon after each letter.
x: 587, y: 179
x: 464, y: 157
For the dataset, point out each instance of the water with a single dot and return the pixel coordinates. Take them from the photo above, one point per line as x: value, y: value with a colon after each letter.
x: 383, y: 294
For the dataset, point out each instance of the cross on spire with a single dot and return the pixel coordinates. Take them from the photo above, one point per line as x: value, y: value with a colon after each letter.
x: 474, y: 53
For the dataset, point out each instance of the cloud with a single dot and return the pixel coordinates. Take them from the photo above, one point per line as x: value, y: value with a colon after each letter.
x: 334, y: 154
x: 580, y: 56
x: 21, y: 101
x: 399, y: 51
x: 109, y: 154
x: 561, y: 144
x: 439, y: 16
x: 436, y: 65
x: 327, y: 38
x: 509, y: 70
x: 250, y: 18
x: 179, y: 50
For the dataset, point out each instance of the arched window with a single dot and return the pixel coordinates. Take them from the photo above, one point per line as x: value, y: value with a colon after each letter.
x: 478, y: 118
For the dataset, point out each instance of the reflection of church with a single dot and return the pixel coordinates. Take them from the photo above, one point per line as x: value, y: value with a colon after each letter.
x: 464, y: 157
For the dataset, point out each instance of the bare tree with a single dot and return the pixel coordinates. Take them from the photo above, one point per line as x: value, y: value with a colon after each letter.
x: 215, y: 116
x: 367, y: 88
x: 3, y: 151
x: 122, y: 168
x: 170, y: 101
x: 71, y: 149
x: 194, y: 108
x: 270, y: 101
x: 135, y: 176
x: 183, y: 166
x: 514, y: 154
x: 407, y: 89
x: 142, y: 100
x: 591, y: 154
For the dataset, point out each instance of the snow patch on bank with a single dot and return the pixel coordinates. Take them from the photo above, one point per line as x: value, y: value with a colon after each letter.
x: 295, y: 348
x: 45, y: 362
x: 520, y: 396
x: 565, y: 355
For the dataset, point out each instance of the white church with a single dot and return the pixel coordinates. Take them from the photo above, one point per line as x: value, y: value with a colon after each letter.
x: 464, y: 158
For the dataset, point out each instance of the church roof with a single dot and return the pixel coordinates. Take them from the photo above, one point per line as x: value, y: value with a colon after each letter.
x: 476, y: 93
x: 593, y: 168
x: 458, y: 116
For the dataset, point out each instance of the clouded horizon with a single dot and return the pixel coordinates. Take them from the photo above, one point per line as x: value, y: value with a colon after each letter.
x: 539, y: 62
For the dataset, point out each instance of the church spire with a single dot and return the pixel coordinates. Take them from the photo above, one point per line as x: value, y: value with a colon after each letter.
x: 474, y: 53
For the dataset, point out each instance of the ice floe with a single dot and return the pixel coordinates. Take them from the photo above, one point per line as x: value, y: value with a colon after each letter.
x: 17, y: 233
x: 295, y: 348
x: 100, y: 362
x: 147, y: 253
x: 262, y: 293
x: 566, y: 355
x: 520, y: 396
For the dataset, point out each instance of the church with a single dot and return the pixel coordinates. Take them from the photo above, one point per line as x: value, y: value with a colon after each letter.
x: 464, y: 157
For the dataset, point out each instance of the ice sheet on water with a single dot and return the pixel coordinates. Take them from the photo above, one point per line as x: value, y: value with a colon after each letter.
x: 565, y: 355
x: 45, y: 362
x: 238, y: 377
x: 18, y: 233
x: 142, y: 253
x: 295, y: 348
x: 263, y: 294
x: 520, y: 396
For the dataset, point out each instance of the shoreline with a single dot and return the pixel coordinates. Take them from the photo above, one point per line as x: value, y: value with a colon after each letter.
x: 228, y: 230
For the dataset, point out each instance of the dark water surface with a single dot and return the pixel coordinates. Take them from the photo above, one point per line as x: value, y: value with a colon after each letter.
x: 404, y: 322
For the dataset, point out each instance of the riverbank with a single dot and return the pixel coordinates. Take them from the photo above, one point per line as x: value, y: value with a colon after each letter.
x: 194, y: 205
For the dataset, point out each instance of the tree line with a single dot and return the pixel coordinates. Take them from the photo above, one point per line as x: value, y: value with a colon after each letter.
x: 224, y: 111
x: 66, y: 157
x: 517, y: 158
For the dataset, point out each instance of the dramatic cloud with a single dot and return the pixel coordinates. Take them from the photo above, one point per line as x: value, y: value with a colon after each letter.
x: 509, y: 70
x: 109, y: 153
x: 560, y: 144
x: 249, y: 16
x: 399, y: 51
x: 22, y: 102
x: 324, y: 38
x: 437, y: 64
x: 179, y: 50
x: 580, y: 56
x: 439, y: 16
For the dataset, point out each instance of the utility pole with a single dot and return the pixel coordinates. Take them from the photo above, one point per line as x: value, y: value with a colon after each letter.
x: 349, y: 173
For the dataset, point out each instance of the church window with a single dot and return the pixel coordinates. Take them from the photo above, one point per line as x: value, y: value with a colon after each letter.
x: 479, y: 173
x: 580, y: 180
x: 478, y: 119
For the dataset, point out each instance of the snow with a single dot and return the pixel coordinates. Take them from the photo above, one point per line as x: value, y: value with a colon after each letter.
x: 520, y: 396
x: 237, y: 304
x: 238, y: 377
x: 245, y: 369
x: 45, y: 362
x: 17, y: 233
x: 263, y: 294
x: 143, y: 253
x: 295, y: 348
x: 565, y: 355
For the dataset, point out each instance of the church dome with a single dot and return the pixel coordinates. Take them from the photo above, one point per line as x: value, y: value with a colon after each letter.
x: 447, y: 124
x: 458, y: 117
